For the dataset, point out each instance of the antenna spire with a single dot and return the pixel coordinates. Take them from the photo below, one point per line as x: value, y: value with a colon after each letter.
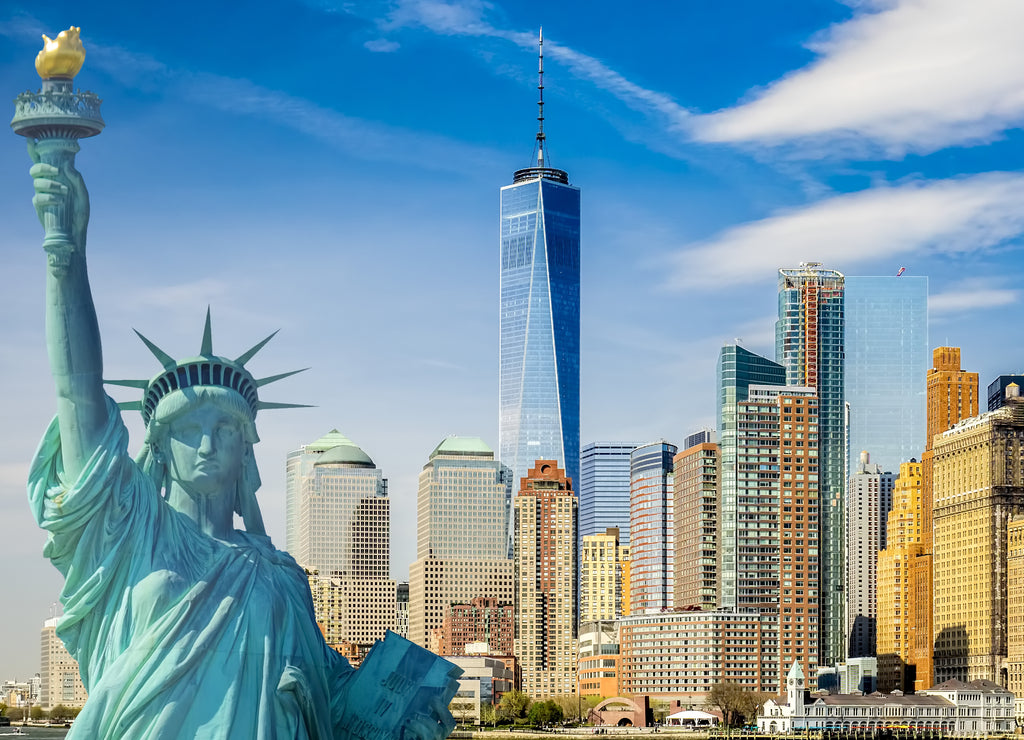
x: 540, y: 102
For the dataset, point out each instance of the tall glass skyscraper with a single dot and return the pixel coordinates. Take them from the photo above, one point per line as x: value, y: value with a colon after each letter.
x: 651, y: 527
x: 539, y: 352
x: 809, y: 343
x: 604, y: 489
x: 887, y: 356
x: 738, y: 369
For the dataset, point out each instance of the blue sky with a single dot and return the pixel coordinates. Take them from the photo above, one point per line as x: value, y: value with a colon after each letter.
x: 332, y: 169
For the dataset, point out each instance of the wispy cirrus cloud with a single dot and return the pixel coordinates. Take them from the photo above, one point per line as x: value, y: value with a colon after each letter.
x: 470, y: 18
x: 952, y: 216
x: 357, y: 137
x: 972, y: 295
x: 900, y: 76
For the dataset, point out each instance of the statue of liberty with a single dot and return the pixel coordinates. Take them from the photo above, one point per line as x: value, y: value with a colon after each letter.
x: 182, y: 625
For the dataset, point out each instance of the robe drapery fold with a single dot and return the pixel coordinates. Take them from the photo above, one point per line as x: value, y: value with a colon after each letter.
x: 178, y: 634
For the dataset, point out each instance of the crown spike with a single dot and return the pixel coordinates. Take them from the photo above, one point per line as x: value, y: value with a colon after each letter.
x: 128, y: 383
x: 271, y: 405
x: 274, y: 378
x: 162, y: 357
x: 246, y: 356
x: 207, y: 347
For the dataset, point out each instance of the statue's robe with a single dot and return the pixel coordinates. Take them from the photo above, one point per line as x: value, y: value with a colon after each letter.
x: 178, y: 634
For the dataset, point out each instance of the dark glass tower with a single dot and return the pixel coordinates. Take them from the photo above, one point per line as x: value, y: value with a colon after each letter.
x: 539, y: 342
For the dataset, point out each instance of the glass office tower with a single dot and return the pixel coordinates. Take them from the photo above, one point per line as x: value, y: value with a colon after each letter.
x: 738, y: 369
x: 539, y: 343
x: 809, y: 343
x: 887, y: 357
x: 604, y: 489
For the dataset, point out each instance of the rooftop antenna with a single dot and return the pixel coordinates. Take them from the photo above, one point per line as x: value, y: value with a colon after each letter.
x: 540, y: 102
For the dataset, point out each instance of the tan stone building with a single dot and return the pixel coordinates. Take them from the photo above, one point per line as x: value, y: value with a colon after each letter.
x: 353, y: 613
x: 1015, y: 610
x: 545, y: 581
x: 60, y: 682
x: 601, y: 563
x: 978, y: 479
x: 695, y: 512
x: 461, y: 534
x: 903, y: 544
x: 952, y: 395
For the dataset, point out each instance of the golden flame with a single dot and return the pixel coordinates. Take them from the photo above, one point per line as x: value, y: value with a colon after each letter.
x: 62, y: 56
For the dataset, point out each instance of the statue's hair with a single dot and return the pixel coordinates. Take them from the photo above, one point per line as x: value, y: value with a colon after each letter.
x: 177, y: 403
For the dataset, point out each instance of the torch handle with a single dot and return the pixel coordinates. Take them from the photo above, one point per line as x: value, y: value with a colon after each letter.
x: 58, y: 243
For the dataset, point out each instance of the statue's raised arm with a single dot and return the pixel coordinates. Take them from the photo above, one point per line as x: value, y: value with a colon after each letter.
x: 72, y: 332
x: 53, y: 120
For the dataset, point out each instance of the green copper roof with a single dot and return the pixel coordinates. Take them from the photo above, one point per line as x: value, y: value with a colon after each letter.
x: 468, y: 446
x: 345, y: 454
x: 333, y: 438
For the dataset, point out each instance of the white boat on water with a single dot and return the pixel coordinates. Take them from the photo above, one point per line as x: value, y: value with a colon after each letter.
x: 14, y: 732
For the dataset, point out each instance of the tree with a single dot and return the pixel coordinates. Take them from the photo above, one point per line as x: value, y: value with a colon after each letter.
x: 514, y: 706
x: 488, y: 715
x: 736, y: 705
x: 37, y: 713
x: 727, y: 697
x: 60, y: 712
x: 3, y: 709
x: 545, y: 713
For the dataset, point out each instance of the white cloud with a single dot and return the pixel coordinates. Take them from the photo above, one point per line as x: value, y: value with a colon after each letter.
x: 382, y: 45
x: 904, y: 75
x: 959, y: 215
x: 970, y: 295
x: 467, y: 18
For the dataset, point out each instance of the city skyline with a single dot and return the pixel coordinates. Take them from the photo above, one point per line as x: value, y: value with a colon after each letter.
x: 357, y: 214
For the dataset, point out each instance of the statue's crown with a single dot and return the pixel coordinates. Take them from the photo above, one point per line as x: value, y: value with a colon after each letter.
x: 207, y: 369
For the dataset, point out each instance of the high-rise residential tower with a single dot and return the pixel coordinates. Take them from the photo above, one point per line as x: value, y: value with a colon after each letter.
x: 696, y: 475
x: 602, y: 560
x: 545, y: 581
x: 886, y: 348
x: 868, y: 501
x: 739, y: 369
x: 461, y: 543
x: 539, y: 315
x: 651, y: 551
x: 809, y: 343
x: 604, y: 488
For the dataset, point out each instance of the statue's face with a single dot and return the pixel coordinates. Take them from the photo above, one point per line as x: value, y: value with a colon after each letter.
x: 205, y: 448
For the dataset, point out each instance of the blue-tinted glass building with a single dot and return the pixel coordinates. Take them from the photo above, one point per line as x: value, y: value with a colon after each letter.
x: 887, y: 360
x: 809, y: 343
x: 539, y: 352
x: 604, y: 489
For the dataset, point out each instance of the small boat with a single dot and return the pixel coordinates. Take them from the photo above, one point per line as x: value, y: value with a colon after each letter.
x: 15, y: 732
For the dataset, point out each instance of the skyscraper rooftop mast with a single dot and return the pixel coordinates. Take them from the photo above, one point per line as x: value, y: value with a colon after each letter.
x: 541, y: 170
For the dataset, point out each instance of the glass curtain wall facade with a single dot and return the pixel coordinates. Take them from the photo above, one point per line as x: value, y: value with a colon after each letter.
x: 604, y: 489
x: 809, y: 343
x: 887, y: 355
x: 651, y: 527
x: 738, y: 369
x: 539, y: 343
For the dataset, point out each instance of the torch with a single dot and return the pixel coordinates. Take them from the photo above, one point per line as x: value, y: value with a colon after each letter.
x: 55, y: 118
